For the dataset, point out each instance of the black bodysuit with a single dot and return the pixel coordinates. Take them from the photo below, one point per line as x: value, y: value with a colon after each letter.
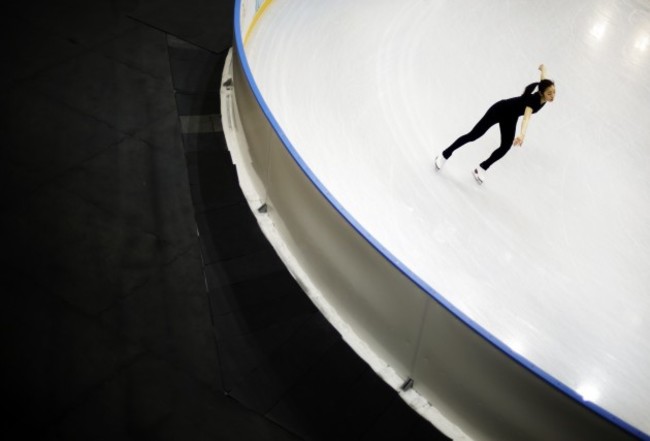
x: 505, y: 113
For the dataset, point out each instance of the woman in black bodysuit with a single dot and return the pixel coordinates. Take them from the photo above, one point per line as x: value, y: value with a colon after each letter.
x: 505, y: 113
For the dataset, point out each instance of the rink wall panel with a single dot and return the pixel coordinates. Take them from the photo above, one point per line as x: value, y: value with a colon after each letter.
x: 472, y: 387
x: 328, y: 249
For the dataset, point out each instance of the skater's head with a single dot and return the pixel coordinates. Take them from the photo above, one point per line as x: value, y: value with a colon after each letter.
x: 545, y: 88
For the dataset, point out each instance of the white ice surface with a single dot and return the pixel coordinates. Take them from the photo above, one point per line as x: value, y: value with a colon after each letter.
x: 552, y: 254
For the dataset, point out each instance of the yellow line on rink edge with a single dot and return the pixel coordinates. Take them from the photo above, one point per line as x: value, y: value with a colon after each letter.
x: 257, y: 16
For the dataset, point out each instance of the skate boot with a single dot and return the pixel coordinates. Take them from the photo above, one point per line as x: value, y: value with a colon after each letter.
x: 478, y: 174
x: 440, y: 161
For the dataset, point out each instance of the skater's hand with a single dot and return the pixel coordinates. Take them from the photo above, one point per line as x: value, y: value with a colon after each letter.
x: 519, y: 141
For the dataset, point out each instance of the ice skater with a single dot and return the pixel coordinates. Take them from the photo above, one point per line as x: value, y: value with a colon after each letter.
x: 505, y: 113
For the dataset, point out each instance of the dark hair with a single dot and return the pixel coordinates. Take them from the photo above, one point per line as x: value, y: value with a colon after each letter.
x: 542, y: 86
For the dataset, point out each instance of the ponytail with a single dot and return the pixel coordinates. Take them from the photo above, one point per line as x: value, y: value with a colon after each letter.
x: 530, y: 89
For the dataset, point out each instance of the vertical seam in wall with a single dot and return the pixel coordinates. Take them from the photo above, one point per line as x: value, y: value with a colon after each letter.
x: 418, y: 340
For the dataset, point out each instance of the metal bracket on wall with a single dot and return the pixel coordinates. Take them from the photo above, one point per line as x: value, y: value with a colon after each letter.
x: 407, y: 385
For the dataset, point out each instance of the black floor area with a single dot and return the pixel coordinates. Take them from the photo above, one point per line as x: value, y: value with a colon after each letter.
x: 141, y: 300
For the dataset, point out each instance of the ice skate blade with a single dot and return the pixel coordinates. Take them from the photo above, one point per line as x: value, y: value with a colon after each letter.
x: 477, y: 177
x: 438, y: 162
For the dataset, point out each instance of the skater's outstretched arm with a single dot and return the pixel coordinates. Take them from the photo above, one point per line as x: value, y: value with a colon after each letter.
x: 542, y: 71
x: 519, y: 140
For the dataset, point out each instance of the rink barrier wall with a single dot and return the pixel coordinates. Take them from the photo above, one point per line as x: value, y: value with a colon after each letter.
x: 465, y: 381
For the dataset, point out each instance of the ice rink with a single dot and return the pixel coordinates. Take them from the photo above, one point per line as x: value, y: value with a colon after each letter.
x: 551, y: 255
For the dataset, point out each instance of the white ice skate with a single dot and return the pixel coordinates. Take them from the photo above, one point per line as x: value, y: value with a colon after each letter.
x: 440, y: 161
x: 478, y: 174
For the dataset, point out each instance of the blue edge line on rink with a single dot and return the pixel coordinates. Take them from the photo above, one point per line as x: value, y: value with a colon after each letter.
x: 401, y: 267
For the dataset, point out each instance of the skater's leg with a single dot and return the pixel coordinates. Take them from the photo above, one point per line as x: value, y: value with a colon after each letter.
x: 508, y: 129
x: 489, y: 119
